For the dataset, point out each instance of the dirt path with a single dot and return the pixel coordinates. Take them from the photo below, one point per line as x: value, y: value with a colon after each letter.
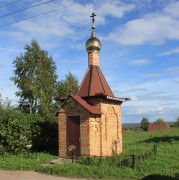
x: 28, y: 175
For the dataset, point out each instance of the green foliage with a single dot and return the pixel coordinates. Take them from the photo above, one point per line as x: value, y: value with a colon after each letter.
x: 177, y: 122
x: 144, y: 124
x: 136, y: 128
x: 159, y: 121
x: 35, y: 77
x: 65, y: 86
x: 18, y: 129
x: 47, y: 136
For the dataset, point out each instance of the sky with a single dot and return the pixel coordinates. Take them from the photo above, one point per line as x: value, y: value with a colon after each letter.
x: 139, y: 55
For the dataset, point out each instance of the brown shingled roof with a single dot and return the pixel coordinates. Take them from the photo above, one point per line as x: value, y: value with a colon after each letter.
x: 94, y: 83
x: 91, y: 109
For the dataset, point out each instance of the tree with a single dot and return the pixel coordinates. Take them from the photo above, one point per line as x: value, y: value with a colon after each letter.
x: 144, y: 123
x: 177, y: 122
x: 65, y: 86
x: 159, y: 121
x: 35, y: 77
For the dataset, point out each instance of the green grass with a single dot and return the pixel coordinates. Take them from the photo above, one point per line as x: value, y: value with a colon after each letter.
x: 20, y: 162
x: 163, y: 166
x: 166, y: 162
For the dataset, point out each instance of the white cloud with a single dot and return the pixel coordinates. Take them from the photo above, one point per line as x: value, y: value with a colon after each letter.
x: 137, y: 90
x: 16, y: 35
x: 78, y: 14
x: 158, y: 96
x: 10, y: 49
x: 133, y: 98
x: 157, y: 91
x: 114, y: 8
x: 177, y: 82
x: 41, y: 28
x: 139, y: 62
x: 172, y: 9
x: 153, y: 28
x: 135, y: 113
x: 153, y: 75
x: 170, y: 52
x: 69, y: 22
x: 144, y: 110
x: 173, y: 69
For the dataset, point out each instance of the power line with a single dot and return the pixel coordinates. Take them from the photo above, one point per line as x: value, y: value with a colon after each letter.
x: 10, y: 3
x: 58, y: 9
x: 25, y: 9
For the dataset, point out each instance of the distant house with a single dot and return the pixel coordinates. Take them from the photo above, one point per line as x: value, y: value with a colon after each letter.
x: 153, y: 127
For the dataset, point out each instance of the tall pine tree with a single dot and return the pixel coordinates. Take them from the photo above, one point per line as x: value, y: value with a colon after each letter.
x: 35, y: 77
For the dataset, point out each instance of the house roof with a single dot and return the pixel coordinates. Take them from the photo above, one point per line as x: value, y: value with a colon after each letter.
x: 82, y: 102
x: 94, y: 83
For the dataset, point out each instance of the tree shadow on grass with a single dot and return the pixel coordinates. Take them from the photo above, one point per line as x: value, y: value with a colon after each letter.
x: 167, y: 139
x: 158, y: 177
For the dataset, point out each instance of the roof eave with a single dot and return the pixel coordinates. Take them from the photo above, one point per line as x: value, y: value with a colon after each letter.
x: 117, y: 99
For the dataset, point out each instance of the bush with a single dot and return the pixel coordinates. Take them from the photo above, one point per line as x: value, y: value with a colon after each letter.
x: 136, y: 128
x: 18, y: 129
x: 47, y: 137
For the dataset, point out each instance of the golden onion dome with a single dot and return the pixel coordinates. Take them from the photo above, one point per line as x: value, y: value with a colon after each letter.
x: 93, y: 44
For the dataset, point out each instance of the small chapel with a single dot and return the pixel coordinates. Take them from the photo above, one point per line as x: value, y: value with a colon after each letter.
x: 91, y: 119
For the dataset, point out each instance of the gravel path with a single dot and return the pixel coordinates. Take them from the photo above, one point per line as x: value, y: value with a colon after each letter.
x: 28, y: 175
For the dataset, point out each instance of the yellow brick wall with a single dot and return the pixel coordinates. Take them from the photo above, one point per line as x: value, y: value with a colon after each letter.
x: 95, y: 140
x: 112, y: 129
x: 93, y: 58
x: 108, y: 139
x: 62, y: 133
x: 71, y: 108
x: 100, y: 135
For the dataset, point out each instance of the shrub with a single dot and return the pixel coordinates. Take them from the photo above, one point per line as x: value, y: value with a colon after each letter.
x: 18, y: 129
x: 136, y: 128
x: 15, y: 131
x: 47, y: 137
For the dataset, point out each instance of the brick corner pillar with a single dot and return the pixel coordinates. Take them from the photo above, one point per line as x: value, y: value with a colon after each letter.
x: 62, y: 133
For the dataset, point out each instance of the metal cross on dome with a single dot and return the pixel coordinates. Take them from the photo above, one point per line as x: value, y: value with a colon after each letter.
x: 92, y: 16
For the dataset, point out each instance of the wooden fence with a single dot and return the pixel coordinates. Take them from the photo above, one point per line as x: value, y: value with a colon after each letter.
x: 122, y: 161
x: 148, y: 154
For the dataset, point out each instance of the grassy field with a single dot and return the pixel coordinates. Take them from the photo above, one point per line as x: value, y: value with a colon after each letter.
x: 22, y: 162
x: 165, y: 165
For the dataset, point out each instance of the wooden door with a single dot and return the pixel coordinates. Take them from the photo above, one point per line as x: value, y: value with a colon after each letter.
x: 73, y: 133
